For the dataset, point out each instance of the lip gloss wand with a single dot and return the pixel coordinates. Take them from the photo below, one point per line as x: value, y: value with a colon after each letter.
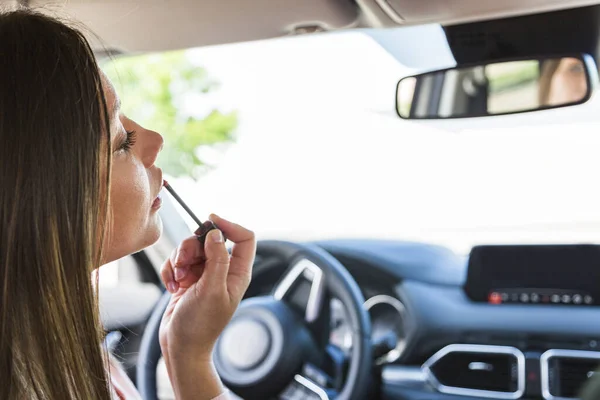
x: 203, y: 227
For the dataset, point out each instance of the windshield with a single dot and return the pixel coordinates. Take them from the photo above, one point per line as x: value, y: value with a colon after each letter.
x: 298, y: 139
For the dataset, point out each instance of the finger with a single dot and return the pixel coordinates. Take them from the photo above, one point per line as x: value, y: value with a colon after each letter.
x: 244, y: 239
x: 242, y: 255
x: 217, y: 259
x: 188, y: 253
x: 167, y: 275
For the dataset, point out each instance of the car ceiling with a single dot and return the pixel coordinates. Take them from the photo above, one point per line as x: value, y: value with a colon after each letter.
x: 157, y: 25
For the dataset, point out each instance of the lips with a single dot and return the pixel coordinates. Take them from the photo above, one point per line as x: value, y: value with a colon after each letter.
x: 157, y: 202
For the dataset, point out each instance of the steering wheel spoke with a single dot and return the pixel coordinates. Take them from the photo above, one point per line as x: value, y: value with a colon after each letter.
x: 319, y: 382
x: 303, y: 287
x: 303, y: 388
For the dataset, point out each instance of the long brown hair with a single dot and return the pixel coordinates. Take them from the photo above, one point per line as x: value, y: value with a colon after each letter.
x: 54, y: 177
x: 547, y: 72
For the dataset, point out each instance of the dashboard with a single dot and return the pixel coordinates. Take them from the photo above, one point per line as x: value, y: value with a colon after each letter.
x: 433, y: 339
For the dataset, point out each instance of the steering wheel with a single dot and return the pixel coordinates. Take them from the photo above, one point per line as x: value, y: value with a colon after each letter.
x: 277, y: 346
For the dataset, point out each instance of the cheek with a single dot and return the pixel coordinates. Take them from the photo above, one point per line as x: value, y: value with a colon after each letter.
x: 559, y: 88
x: 129, y: 189
x: 574, y: 87
x: 129, y: 209
x: 580, y: 82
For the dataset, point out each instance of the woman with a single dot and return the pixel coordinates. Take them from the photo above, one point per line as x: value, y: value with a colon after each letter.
x: 79, y: 189
x: 562, y: 81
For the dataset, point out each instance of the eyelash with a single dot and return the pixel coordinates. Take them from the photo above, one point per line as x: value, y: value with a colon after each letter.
x: 129, y: 141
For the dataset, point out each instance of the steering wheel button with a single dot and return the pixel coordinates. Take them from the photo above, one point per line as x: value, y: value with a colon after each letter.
x: 246, y: 343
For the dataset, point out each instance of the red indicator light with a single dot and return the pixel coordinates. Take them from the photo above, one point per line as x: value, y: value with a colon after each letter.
x: 495, y: 298
x: 545, y: 299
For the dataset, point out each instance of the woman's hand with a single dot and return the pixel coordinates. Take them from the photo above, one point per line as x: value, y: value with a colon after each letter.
x: 207, y: 285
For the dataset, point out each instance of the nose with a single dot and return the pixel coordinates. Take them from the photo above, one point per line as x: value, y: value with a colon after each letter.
x: 153, y: 145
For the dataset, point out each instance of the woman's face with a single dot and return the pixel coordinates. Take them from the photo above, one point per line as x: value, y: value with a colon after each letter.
x: 136, y: 181
x: 569, y: 83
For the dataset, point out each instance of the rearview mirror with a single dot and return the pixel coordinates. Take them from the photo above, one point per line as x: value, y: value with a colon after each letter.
x: 497, y: 88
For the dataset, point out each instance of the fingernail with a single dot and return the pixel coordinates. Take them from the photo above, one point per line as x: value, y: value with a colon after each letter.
x: 214, y: 217
x: 216, y: 236
x: 180, y: 273
x: 172, y: 287
x: 181, y: 256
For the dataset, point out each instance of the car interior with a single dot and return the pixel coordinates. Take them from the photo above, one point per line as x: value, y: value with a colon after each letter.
x: 369, y: 311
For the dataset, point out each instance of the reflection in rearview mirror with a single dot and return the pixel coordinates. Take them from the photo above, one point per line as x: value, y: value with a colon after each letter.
x: 498, y: 88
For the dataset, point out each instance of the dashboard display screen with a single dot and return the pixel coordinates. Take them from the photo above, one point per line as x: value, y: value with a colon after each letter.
x: 535, y: 274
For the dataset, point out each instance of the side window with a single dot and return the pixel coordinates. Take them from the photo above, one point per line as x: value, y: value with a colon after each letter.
x: 120, y: 272
x: 128, y: 291
x: 108, y: 275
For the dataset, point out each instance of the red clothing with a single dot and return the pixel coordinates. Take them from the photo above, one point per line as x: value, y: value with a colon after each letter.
x: 123, y: 388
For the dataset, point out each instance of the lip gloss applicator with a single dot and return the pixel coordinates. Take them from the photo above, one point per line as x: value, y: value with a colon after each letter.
x: 203, y: 227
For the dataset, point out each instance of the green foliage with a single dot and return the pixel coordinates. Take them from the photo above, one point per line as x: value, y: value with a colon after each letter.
x: 518, y: 75
x: 153, y: 89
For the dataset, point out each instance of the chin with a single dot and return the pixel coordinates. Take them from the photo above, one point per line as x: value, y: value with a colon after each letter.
x: 153, y: 233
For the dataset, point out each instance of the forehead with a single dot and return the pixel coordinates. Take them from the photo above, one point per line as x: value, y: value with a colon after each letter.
x: 110, y: 94
x: 570, y: 61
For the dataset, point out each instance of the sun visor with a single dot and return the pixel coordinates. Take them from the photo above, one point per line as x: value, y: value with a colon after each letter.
x: 573, y: 30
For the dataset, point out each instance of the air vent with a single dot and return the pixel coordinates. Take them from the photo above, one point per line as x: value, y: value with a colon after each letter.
x: 564, y: 372
x: 478, y: 371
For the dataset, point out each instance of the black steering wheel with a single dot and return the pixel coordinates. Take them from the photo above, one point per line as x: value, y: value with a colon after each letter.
x: 277, y: 346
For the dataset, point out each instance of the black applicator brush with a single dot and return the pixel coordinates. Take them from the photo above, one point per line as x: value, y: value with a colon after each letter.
x: 203, y: 227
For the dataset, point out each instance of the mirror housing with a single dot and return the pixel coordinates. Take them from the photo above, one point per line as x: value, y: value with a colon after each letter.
x: 498, y: 88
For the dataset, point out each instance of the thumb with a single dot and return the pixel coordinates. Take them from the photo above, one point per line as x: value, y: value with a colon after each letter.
x: 216, y: 267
